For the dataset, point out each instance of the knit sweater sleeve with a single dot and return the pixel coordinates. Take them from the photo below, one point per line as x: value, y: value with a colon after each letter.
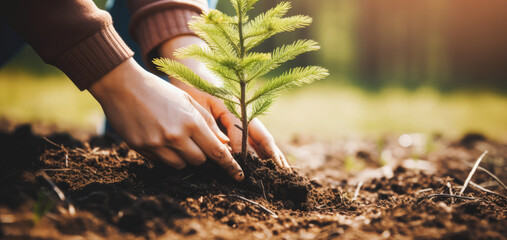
x: 73, y: 35
x: 156, y: 21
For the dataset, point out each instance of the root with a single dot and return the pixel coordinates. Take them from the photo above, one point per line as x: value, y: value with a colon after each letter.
x: 477, y: 186
x: 256, y: 204
x: 492, y: 176
x: 71, y: 208
x: 449, y: 196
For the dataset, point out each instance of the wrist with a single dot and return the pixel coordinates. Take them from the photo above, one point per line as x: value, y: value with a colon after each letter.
x: 117, y: 79
x: 167, y: 48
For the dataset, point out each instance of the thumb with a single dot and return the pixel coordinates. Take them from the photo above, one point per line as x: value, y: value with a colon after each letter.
x: 210, y: 121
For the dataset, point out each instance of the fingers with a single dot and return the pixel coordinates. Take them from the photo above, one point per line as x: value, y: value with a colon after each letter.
x: 190, y: 152
x: 210, y: 121
x: 165, y: 155
x: 217, y: 151
x: 251, y: 148
x: 230, y: 121
x: 265, y: 144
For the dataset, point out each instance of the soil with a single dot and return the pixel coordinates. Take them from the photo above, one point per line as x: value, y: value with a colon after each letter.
x: 109, y: 191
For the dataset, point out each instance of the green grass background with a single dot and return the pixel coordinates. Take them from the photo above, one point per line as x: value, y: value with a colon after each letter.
x: 435, y: 94
x: 326, y: 109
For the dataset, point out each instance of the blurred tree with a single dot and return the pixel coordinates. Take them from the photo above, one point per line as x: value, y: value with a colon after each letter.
x: 476, y: 37
x: 448, y: 44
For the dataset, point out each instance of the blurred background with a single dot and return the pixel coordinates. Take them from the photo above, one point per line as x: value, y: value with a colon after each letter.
x: 396, y: 66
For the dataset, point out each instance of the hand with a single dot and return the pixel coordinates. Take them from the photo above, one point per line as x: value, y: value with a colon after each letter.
x: 160, y: 121
x: 259, y: 137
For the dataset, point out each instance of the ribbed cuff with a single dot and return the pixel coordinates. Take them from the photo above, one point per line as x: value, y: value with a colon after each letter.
x: 151, y: 30
x: 94, y: 57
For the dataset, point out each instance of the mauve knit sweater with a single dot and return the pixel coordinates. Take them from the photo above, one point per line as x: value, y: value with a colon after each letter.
x: 79, y: 39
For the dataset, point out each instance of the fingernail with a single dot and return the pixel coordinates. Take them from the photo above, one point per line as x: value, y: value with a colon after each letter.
x: 240, y: 175
x: 224, y: 137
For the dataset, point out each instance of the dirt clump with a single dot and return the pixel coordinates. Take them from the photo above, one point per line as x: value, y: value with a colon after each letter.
x: 116, y: 193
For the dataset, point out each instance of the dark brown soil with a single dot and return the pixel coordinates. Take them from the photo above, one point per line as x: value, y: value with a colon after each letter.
x: 118, y: 194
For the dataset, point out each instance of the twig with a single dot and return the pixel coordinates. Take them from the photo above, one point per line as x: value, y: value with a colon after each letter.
x: 450, y: 196
x: 475, y: 185
x: 57, y: 169
x: 116, y: 156
x: 320, y: 206
x: 80, y: 150
x: 263, y: 192
x: 53, y: 143
x: 450, y: 188
x: 492, y: 175
x: 59, y: 192
x: 256, y: 204
x: 240, y: 128
x: 356, y: 193
x: 489, y: 184
x: 187, y: 177
x: 472, y: 172
x: 450, y: 191
x: 425, y: 190
x: 67, y: 160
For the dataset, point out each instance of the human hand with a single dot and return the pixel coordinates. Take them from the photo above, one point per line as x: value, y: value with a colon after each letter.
x: 160, y: 121
x: 259, y: 137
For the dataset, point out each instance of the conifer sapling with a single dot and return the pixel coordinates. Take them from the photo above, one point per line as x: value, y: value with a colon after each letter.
x: 230, y: 40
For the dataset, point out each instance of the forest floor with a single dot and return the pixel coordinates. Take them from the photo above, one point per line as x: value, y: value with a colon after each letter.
x: 60, y: 187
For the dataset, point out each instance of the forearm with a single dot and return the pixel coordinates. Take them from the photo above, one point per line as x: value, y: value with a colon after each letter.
x: 74, y: 36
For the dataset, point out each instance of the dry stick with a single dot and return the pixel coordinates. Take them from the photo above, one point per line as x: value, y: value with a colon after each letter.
x: 489, y: 184
x: 256, y: 204
x: 116, y: 156
x: 239, y: 127
x: 61, y: 147
x: 187, y: 177
x: 263, y: 192
x: 449, y: 195
x: 450, y: 188
x: 425, y: 190
x: 59, y: 192
x: 49, y: 141
x: 57, y: 169
x: 472, y: 172
x: 356, y: 193
x: 493, y: 176
x: 80, y: 150
x: 475, y: 185
x: 450, y: 191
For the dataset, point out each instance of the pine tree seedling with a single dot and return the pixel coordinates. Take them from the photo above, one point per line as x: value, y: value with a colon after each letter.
x: 228, y: 55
